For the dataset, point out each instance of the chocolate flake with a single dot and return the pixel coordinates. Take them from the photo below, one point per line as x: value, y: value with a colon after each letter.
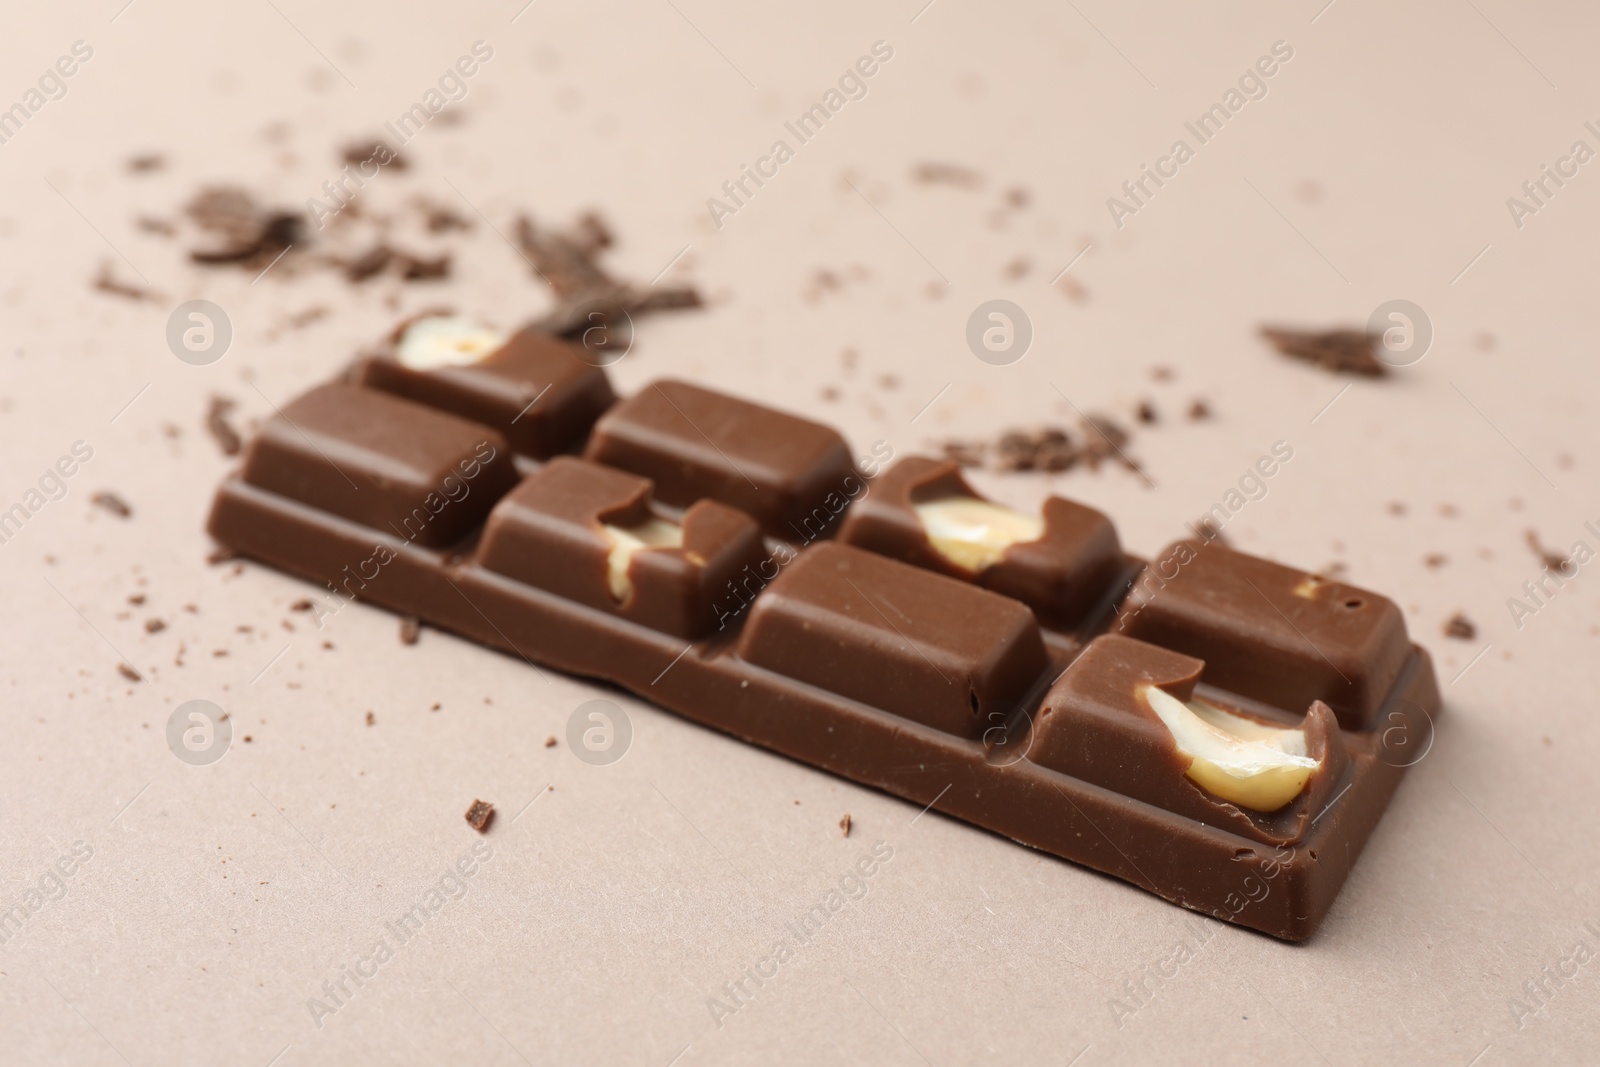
x: 129, y: 673
x: 550, y: 742
x: 1459, y: 626
x: 250, y: 235
x: 220, y: 429
x: 410, y: 629
x: 112, y: 503
x: 480, y: 815
x: 154, y: 626
x: 371, y: 719
x: 844, y: 824
x: 1338, y: 351
x: 567, y: 261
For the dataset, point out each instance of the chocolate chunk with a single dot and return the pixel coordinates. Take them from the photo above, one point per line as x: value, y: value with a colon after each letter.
x: 793, y: 475
x: 480, y: 815
x: 1460, y: 627
x: 844, y: 825
x: 1339, y: 351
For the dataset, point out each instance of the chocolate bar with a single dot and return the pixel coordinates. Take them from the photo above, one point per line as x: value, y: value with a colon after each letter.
x: 1220, y: 730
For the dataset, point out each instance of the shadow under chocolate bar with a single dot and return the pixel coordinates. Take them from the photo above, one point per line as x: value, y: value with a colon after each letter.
x: 1216, y: 728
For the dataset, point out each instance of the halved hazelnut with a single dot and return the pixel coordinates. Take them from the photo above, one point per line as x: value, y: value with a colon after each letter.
x: 446, y: 341
x: 974, y: 534
x: 626, y: 540
x: 1247, y: 762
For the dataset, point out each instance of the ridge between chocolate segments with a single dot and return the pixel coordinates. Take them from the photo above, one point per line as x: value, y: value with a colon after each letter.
x: 925, y: 748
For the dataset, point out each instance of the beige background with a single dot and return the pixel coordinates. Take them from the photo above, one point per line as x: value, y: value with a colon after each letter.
x: 218, y: 900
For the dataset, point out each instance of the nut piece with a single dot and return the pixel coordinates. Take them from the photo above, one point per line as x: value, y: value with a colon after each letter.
x: 974, y: 534
x: 1246, y: 762
x: 625, y: 541
x: 446, y: 341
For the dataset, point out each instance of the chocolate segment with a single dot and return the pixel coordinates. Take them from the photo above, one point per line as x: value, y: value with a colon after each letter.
x: 1269, y: 632
x: 587, y: 533
x: 793, y: 475
x: 385, y: 462
x: 923, y: 511
x: 534, y: 389
x: 1096, y: 723
x: 925, y: 647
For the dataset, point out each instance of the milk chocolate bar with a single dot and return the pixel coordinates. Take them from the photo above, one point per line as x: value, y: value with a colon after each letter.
x: 1220, y: 730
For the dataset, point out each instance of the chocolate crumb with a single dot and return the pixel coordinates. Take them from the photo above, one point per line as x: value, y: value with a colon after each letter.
x: 1338, y: 351
x: 550, y: 742
x: 151, y: 224
x: 129, y: 673
x: 358, y: 152
x: 946, y: 174
x: 1147, y: 413
x: 418, y: 269
x: 369, y: 264
x: 1199, y: 410
x: 136, y: 599
x: 248, y: 739
x: 371, y: 719
x: 106, y: 281
x: 436, y: 706
x: 221, y: 555
x: 1435, y: 560
x: 303, y: 604
x: 1396, y: 508
x: 145, y: 162
x: 112, y: 503
x: 220, y: 429
x: 1553, y: 561
x: 966, y: 453
x: 154, y: 626
x: 1161, y: 374
x: 1459, y: 626
x: 480, y: 815
x: 844, y: 824
x: 410, y: 629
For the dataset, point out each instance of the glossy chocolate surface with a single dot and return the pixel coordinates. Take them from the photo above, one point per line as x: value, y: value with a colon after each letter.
x: 1026, y: 714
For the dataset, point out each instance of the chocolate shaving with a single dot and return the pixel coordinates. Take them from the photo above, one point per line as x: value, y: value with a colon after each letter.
x: 220, y: 429
x: 844, y: 824
x: 112, y: 503
x: 1338, y: 351
x: 1459, y: 626
x: 567, y: 261
x: 250, y: 235
x: 129, y: 673
x: 480, y: 815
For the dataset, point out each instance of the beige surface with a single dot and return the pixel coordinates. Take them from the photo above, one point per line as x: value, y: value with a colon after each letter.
x: 218, y: 900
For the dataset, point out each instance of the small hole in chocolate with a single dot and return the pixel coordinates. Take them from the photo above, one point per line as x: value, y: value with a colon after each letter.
x: 972, y: 698
x: 1352, y: 604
